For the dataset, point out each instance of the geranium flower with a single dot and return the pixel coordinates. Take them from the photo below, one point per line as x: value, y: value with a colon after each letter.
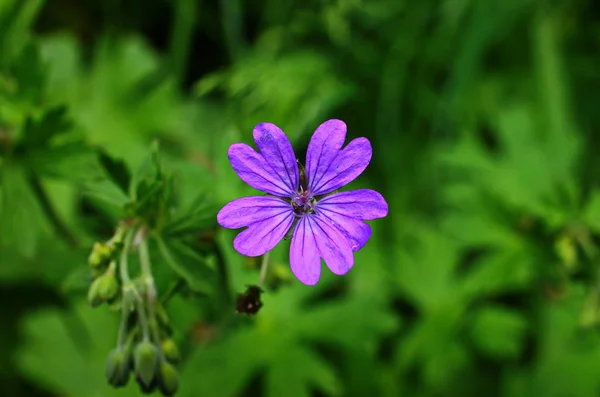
x: 325, y: 226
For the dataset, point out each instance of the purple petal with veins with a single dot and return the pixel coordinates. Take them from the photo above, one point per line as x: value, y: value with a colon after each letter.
x: 268, y: 220
x: 315, y: 238
x: 277, y: 151
x: 253, y: 169
x: 344, y: 168
x: 323, y: 147
x: 364, y: 204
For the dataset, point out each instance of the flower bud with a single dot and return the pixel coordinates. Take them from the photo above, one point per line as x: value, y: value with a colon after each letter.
x: 168, y: 380
x: 117, y: 368
x: 100, y: 255
x: 170, y: 350
x: 103, y: 289
x: 146, y: 363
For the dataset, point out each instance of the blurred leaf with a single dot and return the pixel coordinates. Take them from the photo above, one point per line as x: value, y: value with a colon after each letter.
x: 498, y: 332
x: 567, y: 355
x: 66, y: 351
x: 188, y: 264
x: 123, y: 101
x: 295, y: 370
x: 198, y: 216
x: 16, y: 17
x: 284, y: 354
x: 20, y: 213
x: 116, y: 169
x: 295, y: 88
x: 591, y: 212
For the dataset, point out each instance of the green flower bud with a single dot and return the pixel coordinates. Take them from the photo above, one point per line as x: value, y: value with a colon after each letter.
x: 168, y: 380
x: 117, y: 368
x: 170, y: 350
x: 100, y: 255
x: 103, y: 289
x: 146, y: 362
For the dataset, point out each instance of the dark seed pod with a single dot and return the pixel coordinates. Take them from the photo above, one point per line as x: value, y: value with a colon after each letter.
x: 117, y: 368
x: 249, y: 302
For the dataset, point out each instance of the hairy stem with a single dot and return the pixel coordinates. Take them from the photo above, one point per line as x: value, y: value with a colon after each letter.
x: 128, y: 291
x: 263, y: 269
x: 149, y: 288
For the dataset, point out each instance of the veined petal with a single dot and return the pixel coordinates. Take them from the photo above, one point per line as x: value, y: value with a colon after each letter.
x: 333, y: 246
x: 315, y: 238
x: 323, y: 147
x: 304, y: 256
x: 253, y: 169
x: 355, y: 230
x: 364, y: 204
x: 277, y: 150
x: 263, y: 236
x: 248, y: 210
x: 344, y: 168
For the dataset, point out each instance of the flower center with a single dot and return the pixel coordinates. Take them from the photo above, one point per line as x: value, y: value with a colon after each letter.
x: 303, y: 203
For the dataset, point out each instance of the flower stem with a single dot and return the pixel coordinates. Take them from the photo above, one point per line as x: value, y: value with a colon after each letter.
x: 128, y: 290
x: 149, y: 287
x: 123, y: 265
x: 143, y: 319
x: 123, y: 325
x: 263, y: 269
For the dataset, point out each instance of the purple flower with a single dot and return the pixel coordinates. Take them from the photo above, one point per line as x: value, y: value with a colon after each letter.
x: 325, y: 226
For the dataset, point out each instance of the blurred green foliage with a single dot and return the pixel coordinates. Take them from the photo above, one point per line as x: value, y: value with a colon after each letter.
x: 484, y: 278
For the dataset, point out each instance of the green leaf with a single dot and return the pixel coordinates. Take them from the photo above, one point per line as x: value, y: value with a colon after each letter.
x: 107, y: 192
x: 226, y: 367
x: 198, y: 216
x: 37, y: 133
x: 297, y: 88
x: 116, y: 169
x: 566, y: 357
x: 426, y: 275
x: 19, y: 210
x: 498, y: 332
x: 499, y: 272
x: 66, y: 351
x: 16, y: 20
x: 334, y: 316
x: 296, y: 371
x: 591, y: 212
x: 187, y: 263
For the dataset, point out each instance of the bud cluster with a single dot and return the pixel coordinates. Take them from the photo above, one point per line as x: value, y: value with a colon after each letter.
x: 103, y: 266
x: 145, y: 347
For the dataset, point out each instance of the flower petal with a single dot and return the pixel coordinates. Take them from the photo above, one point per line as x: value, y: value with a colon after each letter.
x: 304, y: 256
x: 263, y: 236
x: 277, y: 150
x: 333, y: 246
x: 253, y: 169
x: 355, y: 230
x: 315, y: 238
x: 344, y: 168
x: 364, y: 204
x: 323, y: 147
x: 248, y: 210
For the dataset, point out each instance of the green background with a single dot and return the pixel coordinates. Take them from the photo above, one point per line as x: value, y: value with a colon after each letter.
x: 484, y: 117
